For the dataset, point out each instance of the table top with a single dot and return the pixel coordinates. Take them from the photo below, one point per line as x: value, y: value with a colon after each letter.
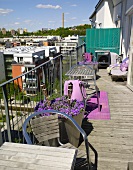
x: 81, y: 70
x: 15, y: 156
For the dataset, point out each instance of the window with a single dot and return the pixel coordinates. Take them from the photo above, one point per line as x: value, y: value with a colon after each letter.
x: 21, y: 58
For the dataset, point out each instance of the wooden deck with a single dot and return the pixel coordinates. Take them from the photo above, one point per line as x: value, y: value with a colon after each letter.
x: 112, y: 140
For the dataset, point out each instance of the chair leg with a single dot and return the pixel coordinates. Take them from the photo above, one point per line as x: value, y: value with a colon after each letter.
x: 98, y: 95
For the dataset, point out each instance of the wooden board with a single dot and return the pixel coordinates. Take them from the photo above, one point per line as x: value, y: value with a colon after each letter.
x: 23, y: 156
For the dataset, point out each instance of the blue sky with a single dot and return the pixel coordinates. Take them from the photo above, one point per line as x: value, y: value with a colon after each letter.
x: 38, y: 14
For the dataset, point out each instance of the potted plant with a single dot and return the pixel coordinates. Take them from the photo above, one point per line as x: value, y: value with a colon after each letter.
x: 73, y: 108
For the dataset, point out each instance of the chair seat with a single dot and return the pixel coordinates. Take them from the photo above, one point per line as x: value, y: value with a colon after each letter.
x: 118, y: 72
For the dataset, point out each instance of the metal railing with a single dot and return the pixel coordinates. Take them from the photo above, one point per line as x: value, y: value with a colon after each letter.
x: 20, y: 95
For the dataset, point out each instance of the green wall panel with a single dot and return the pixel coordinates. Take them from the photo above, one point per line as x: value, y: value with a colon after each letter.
x: 103, y: 39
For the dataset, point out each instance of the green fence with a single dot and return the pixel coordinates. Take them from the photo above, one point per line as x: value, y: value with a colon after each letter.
x: 103, y: 39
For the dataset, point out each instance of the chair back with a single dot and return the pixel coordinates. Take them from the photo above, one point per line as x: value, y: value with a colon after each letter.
x: 88, y: 57
x: 78, y: 91
x: 45, y: 128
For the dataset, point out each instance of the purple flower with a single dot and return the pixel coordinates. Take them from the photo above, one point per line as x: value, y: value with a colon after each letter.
x: 62, y: 104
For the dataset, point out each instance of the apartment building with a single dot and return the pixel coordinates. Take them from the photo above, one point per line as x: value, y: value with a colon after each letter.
x: 21, y: 59
x: 67, y: 44
x: 2, y: 67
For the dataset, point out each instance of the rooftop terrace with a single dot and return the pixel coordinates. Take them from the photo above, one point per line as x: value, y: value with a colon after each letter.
x: 112, y: 140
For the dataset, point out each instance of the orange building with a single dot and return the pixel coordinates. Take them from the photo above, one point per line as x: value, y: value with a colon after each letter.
x: 17, y: 71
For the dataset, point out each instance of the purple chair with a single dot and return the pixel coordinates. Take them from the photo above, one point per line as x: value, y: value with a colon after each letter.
x: 120, y: 71
x: 87, y: 57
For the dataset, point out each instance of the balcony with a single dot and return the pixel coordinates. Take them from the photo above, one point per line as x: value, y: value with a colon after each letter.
x: 110, y: 140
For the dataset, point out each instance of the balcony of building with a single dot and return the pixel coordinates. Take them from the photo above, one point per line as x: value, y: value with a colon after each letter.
x: 110, y: 140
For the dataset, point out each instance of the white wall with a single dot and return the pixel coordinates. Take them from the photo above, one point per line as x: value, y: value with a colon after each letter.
x: 2, y: 67
x: 100, y: 15
x: 26, y: 57
x: 117, y: 14
x: 126, y: 25
x: 108, y: 14
x: 104, y: 15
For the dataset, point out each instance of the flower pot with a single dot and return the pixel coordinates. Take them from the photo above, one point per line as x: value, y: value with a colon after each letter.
x: 69, y: 132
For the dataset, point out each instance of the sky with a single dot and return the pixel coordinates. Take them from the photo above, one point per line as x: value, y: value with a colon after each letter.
x: 37, y: 14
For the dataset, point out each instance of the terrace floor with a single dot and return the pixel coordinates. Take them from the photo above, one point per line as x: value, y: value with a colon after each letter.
x: 112, y: 140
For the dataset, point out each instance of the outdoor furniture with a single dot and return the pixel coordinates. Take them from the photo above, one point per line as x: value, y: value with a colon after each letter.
x: 46, y: 128
x: 15, y: 156
x: 121, y: 70
x: 103, y: 58
x: 87, y: 57
x: 130, y: 166
x: 87, y: 75
x: 78, y: 91
x: 117, y: 63
x: 93, y: 65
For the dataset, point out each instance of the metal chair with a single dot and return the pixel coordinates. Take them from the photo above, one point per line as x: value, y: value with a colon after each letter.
x: 46, y: 128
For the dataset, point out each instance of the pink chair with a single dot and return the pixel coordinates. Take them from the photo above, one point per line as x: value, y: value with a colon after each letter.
x: 78, y: 91
x: 87, y: 57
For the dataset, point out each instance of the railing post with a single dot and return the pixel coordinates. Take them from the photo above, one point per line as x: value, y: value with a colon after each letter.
x: 1, y: 141
x: 84, y: 45
x: 7, y: 112
x: 70, y: 60
x: 76, y: 55
x: 61, y: 75
x: 43, y: 74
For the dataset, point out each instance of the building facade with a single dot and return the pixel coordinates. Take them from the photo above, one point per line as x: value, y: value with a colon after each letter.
x: 117, y: 14
x: 15, y: 61
x: 68, y: 44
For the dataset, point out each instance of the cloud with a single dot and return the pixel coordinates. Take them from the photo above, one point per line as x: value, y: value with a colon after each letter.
x: 51, y: 21
x: 73, y: 18
x: 48, y: 6
x: 74, y: 5
x: 16, y: 23
x: 5, y: 11
x: 27, y: 21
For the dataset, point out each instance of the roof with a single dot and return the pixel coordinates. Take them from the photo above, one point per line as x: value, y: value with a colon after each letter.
x: 98, y: 4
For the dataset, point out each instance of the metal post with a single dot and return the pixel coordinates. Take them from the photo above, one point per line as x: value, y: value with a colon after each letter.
x: 43, y: 74
x: 61, y: 75
x: 7, y: 112
x: 76, y: 55
x: 1, y: 141
x: 84, y: 47
x: 70, y: 60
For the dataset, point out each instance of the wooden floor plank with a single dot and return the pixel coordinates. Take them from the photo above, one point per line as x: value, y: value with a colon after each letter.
x: 112, y: 140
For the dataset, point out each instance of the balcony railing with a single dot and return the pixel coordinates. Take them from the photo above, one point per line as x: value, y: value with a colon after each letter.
x: 18, y: 99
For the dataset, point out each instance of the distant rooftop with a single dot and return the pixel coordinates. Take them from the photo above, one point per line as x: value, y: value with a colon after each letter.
x: 26, y: 49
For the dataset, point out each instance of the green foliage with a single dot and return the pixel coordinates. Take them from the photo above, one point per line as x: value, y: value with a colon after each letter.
x: 12, y: 89
x: 19, y: 114
x: 8, y: 34
x: 1, y: 94
x: 16, y: 140
x: 3, y: 117
x: 63, y: 32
